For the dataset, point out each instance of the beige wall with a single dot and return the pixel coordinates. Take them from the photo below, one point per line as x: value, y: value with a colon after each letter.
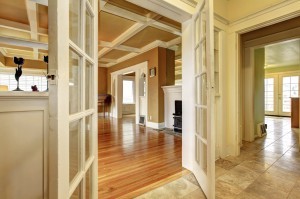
x: 102, y: 80
x: 161, y: 59
x: 2, y: 59
x: 31, y: 64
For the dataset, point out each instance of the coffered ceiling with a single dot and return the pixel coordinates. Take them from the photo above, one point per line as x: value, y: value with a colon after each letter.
x: 125, y: 30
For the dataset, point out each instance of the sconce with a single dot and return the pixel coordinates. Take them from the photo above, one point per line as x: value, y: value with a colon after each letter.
x: 152, y: 72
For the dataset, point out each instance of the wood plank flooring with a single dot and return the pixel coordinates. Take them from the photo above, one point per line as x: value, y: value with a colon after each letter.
x: 133, y: 159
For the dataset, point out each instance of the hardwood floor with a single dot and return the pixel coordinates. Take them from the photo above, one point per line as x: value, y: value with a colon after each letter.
x: 134, y: 159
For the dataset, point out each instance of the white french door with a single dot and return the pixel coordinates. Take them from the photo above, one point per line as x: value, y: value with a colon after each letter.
x: 73, y: 27
x: 279, y: 88
x: 204, y: 160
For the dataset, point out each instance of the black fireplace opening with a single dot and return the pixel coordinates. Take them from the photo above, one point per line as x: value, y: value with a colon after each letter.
x: 178, y: 116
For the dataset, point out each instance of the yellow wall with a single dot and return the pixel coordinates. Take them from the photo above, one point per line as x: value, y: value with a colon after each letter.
x: 282, y: 69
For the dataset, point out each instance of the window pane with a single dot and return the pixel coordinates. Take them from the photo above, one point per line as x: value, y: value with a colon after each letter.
x: 88, y: 184
x: 128, y: 97
x: 88, y: 34
x: 74, y: 83
x: 78, y: 192
x: 88, y: 132
x: 25, y: 82
x: 74, y: 148
x: 88, y: 86
x: 74, y: 20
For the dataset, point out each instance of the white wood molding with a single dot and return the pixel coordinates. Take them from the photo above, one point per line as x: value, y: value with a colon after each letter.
x: 42, y: 2
x: 155, y: 125
x: 23, y: 42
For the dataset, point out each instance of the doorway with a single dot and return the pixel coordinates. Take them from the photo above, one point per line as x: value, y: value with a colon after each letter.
x: 279, y: 88
x: 128, y: 94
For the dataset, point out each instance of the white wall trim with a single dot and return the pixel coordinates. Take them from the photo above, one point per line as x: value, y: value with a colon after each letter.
x: 155, y: 125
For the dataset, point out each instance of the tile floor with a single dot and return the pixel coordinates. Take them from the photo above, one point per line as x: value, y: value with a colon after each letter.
x: 268, y: 168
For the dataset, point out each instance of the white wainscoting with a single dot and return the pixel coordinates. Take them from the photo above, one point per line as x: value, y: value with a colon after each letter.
x: 171, y: 93
x: 23, y: 141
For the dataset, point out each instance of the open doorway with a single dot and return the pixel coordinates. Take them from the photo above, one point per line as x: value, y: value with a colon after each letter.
x: 128, y: 95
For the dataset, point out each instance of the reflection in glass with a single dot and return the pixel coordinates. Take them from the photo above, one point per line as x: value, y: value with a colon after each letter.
x: 74, y: 149
x: 88, y: 86
x: 74, y: 83
x: 77, y: 193
x: 75, y: 22
x: 88, y: 134
x: 88, y: 34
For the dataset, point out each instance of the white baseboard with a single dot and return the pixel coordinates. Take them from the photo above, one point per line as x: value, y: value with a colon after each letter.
x: 155, y: 125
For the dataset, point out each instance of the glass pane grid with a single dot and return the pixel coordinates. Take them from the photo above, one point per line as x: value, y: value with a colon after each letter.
x: 290, y: 88
x: 269, y: 94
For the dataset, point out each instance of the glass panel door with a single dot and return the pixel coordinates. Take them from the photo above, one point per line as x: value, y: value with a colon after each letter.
x: 289, y: 87
x: 83, y: 115
x: 73, y: 133
x: 271, y: 93
x: 204, y: 161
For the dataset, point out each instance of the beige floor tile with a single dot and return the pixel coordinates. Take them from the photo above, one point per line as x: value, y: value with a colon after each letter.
x: 197, y: 194
x: 239, y: 176
x: 246, y: 195
x: 264, y: 191
x: 225, y: 164
x: 295, y: 193
x: 275, y: 182
x: 159, y: 193
x: 283, y: 173
x: 255, y: 166
x: 180, y: 187
x: 220, y: 171
x: 225, y: 190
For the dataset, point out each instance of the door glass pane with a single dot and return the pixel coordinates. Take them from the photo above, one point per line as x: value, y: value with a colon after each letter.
x: 197, y: 32
x: 197, y: 153
x: 88, y: 86
x: 197, y: 60
x: 198, y: 115
x: 74, y: 148
x: 203, y: 151
x: 203, y: 55
x: 269, y: 94
x: 75, y: 21
x: 88, y: 34
x: 74, y: 84
x: 88, y: 132
x: 203, y: 25
x: 290, y: 88
x: 88, y: 184
x: 77, y: 193
x: 203, y: 122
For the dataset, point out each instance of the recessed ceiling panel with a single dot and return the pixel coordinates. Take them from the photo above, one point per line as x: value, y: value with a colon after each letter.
x: 42, y: 16
x: 14, y: 10
x: 112, y: 26
x: 283, y: 54
x: 169, y: 22
x: 147, y: 36
x: 115, y: 54
x: 132, y: 8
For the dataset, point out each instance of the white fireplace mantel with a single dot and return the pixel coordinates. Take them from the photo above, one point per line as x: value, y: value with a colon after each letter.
x: 171, y: 94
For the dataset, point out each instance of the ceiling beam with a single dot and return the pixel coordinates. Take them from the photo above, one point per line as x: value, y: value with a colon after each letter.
x: 23, y: 42
x: 31, y: 8
x: 146, y: 48
x: 105, y: 44
x: 123, y: 37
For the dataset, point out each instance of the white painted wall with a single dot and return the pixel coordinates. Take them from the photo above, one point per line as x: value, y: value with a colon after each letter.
x: 171, y: 93
x: 23, y: 141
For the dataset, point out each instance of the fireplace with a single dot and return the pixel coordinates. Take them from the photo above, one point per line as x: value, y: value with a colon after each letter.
x: 177, y: 116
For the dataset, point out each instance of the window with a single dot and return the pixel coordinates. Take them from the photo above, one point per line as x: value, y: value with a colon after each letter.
x: 26, y: 81
x: 128, y: 92
x: 290, y: 88
x: 269, y: 94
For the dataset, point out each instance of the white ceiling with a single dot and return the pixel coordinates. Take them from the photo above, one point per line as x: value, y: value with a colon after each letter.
x: 286, y: 53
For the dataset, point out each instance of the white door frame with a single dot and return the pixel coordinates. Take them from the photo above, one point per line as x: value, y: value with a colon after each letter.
x: 234, y: 90
x: 138, y: 69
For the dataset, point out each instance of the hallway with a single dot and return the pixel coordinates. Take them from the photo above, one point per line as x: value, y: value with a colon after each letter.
x: 267, y: 168
x: 133, y: 159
